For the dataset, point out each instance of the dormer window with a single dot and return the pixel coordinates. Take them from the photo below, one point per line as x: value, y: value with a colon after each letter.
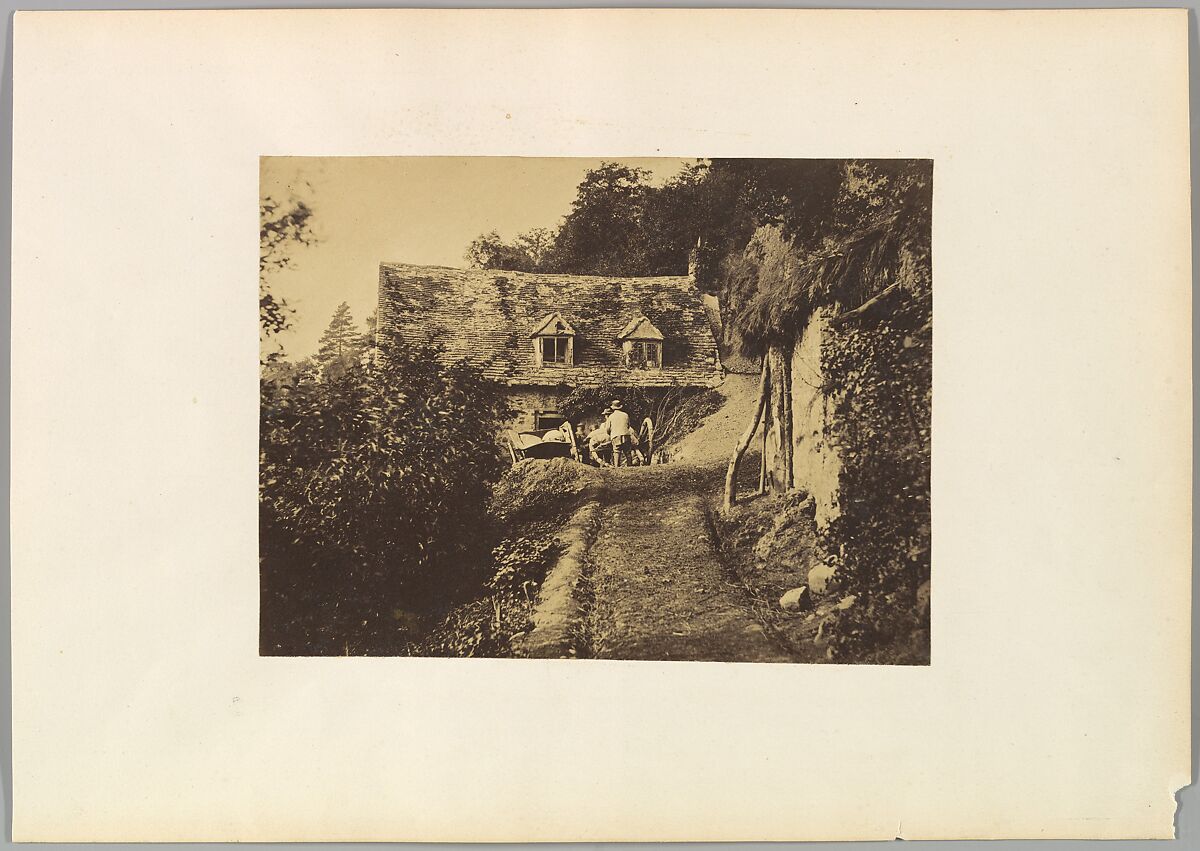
x: 644, y: 354
x: 641, y: 344
x: 553, y: 342
x: 554, y: 349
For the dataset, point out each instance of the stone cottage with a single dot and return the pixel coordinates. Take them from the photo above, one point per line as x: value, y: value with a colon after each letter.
x: 544, y: 335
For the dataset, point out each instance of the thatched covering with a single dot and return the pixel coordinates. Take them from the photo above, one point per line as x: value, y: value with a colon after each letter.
x: 787, y: 287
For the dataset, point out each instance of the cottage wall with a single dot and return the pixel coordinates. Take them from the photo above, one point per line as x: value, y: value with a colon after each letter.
x: 524, y: 401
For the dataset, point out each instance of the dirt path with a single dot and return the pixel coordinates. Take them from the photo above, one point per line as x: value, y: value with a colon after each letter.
x: 657, y: 587
x: 712, y: 442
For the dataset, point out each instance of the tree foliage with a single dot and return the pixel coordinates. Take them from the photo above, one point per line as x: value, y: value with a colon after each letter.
x: 527, y: 253
x: 342, y: 345
x: 602, y: 233
x: 283, y: 226
x: 620, y: 223
x: 373, y: 492
x: 489, y: 251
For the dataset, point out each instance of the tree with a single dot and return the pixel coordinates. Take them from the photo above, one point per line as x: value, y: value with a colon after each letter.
x: 621, y: 224
x: 602, y: 234
x: 372, y: 324
x: 536, y: 245
x: 489, y: 251
x: 673, y: 217
x: 373, y: 491
x: 527, y: 253
x: 341, y: 345
x: 282, y: 228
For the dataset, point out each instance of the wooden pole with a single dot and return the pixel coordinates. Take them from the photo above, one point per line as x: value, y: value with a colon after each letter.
x: 762, y: 464
x: 866, y: 305
x: 740, y: 450
x: 785, y: 431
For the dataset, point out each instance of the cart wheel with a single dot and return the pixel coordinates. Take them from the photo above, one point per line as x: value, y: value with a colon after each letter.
x: 646, y: 435
x: 570, y: 430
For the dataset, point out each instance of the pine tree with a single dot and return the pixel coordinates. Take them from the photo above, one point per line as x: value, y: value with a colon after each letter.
x: 341, y: 345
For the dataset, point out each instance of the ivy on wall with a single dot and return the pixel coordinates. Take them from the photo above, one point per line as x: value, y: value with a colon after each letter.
x: 879, y: 373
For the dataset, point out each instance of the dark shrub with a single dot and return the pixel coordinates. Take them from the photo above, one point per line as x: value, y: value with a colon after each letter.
x: 373, y: 494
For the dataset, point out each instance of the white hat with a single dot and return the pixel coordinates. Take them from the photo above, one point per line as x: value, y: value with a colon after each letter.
x: 616, y: 403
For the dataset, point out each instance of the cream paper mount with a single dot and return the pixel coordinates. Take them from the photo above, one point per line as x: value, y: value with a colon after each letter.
x: 1056, y: 704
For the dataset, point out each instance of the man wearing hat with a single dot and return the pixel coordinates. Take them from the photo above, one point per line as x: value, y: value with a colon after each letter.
x: 618, y: 434
x: 598, y: 442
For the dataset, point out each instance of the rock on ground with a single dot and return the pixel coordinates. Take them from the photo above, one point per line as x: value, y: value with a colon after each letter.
x: 795, y: 600
x: 819, y: 576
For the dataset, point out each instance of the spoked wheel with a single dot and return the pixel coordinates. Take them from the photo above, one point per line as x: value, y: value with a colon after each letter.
x: 570, y: 430
x: 646, y: 438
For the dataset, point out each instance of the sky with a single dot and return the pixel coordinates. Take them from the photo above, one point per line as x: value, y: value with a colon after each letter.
x: 422, y: 210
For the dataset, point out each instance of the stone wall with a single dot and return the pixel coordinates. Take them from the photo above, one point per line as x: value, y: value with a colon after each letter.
x: 816, y: 465
x: 525, y: 400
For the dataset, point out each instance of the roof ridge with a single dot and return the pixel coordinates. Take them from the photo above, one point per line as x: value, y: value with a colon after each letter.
x: 393, y: 264
x: 485, y: 316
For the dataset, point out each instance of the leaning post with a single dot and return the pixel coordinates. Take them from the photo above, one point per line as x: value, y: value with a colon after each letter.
x: 744, y: 443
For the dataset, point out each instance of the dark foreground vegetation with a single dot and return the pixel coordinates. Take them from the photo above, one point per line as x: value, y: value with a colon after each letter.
x: 379, y: 532
x: 374, y: 484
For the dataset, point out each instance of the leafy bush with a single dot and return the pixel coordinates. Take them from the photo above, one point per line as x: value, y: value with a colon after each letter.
x: 486, y: 626
x: 521, y: 560
x: 469, y: 630
x: 373, y: 489
x: 880, y: 375
x: 584, y: 403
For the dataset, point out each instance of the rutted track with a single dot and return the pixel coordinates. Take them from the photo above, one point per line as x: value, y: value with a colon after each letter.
x: 645, y: 577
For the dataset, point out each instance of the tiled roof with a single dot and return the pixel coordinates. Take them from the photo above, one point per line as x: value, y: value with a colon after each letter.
x: 488, y: 316
x: 553, y: 325
x: 640, y: 328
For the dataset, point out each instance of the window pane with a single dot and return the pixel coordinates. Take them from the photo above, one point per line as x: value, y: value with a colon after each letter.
x: 645, y: 353
x: 554, y: 349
